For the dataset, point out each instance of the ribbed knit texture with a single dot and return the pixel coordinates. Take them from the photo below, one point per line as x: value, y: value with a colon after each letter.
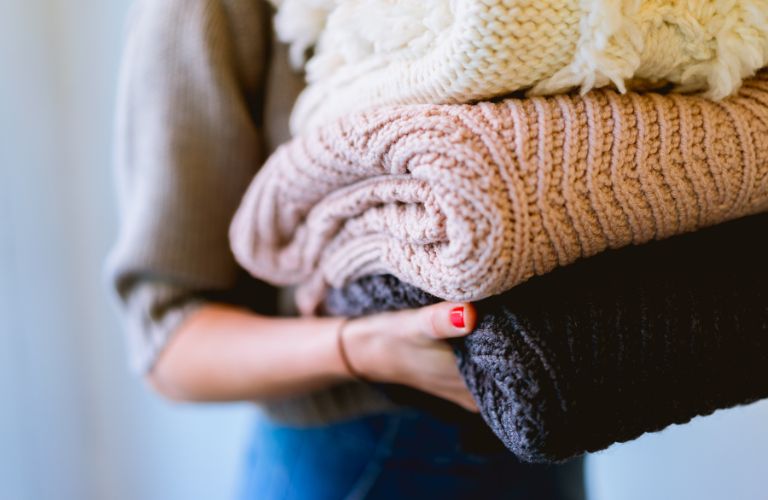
x: 380, y: 52
x: 614, y: 346
x: 467, y: 201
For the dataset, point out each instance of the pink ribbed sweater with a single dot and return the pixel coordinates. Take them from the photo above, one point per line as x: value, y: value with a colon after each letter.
x: 467, y: 201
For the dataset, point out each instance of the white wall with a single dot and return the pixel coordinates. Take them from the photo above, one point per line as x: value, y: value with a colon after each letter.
x: 74, y: 424
x: 720, y: 457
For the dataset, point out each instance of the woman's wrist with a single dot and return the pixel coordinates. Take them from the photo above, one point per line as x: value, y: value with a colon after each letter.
x: 357, y: 341
x: 342, y: 348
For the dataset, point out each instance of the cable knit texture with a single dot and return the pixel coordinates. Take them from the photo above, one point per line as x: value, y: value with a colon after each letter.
x: 375, y: 52
x: 614, y: 346
x: 468, y: 201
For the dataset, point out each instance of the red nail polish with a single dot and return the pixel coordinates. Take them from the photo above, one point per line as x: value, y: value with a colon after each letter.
x: 457, y: 317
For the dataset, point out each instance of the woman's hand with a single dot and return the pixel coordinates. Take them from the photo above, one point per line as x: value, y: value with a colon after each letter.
x: 408, y: 347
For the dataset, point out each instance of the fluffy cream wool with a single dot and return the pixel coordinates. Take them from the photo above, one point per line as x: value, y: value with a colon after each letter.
x: 467, y: 201
x: 372, y: 52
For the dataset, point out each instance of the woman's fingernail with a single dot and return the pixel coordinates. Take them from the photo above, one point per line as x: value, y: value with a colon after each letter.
x: 457, y: 317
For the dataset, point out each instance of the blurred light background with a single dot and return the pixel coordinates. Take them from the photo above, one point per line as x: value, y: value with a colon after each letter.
x: 74, y: 424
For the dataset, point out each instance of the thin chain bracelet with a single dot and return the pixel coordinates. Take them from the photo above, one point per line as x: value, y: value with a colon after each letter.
x: 343, y: 351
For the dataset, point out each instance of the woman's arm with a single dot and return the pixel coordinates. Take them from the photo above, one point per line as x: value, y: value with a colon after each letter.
x: 222, y: 353
x: 188, y: 141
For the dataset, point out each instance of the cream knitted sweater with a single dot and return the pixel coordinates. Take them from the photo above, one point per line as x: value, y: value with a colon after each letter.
x: 371, y: 52
x: 467, y: 201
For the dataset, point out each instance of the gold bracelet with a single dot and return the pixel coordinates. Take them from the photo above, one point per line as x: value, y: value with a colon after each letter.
x: 343, y: 351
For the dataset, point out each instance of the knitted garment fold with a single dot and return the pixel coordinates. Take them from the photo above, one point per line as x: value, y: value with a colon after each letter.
x: 380, y: 52
x: 604, y: 350
x: 468, y: 201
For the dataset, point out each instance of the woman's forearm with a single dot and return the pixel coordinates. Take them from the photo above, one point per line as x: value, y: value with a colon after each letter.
x: 222, y: 353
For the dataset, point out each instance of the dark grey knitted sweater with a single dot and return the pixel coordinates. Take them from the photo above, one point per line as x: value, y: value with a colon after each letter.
x: 611, y: 347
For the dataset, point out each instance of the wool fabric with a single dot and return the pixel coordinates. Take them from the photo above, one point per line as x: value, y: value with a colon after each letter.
x: 468, y: 201
x: 376, y: 52
x: 602, y: 351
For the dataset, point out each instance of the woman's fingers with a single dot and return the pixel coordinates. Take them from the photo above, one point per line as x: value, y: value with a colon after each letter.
x: 443, y: 321
x: 461, y: 397
x: 465, y: 401
x: 446, y: 320
x: 458, y: 392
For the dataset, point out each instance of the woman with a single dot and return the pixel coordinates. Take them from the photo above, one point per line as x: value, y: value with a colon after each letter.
x: 204, y: 95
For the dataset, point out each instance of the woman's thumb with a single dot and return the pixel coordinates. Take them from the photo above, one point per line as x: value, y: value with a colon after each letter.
x: 447, y: 319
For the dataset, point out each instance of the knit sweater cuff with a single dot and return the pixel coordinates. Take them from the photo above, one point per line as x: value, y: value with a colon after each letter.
x: 152, y: 312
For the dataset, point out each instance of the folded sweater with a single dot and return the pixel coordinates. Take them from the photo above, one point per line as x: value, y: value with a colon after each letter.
x: 611, y: 347
x: 467, y: 201
x: 374, y: 52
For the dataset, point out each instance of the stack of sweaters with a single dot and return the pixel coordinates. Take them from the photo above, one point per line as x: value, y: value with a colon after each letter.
x: 452, y: 51
x: 618, y: 292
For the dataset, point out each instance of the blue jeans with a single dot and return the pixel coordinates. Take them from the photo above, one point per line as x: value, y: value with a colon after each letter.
x: 401, y: 455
